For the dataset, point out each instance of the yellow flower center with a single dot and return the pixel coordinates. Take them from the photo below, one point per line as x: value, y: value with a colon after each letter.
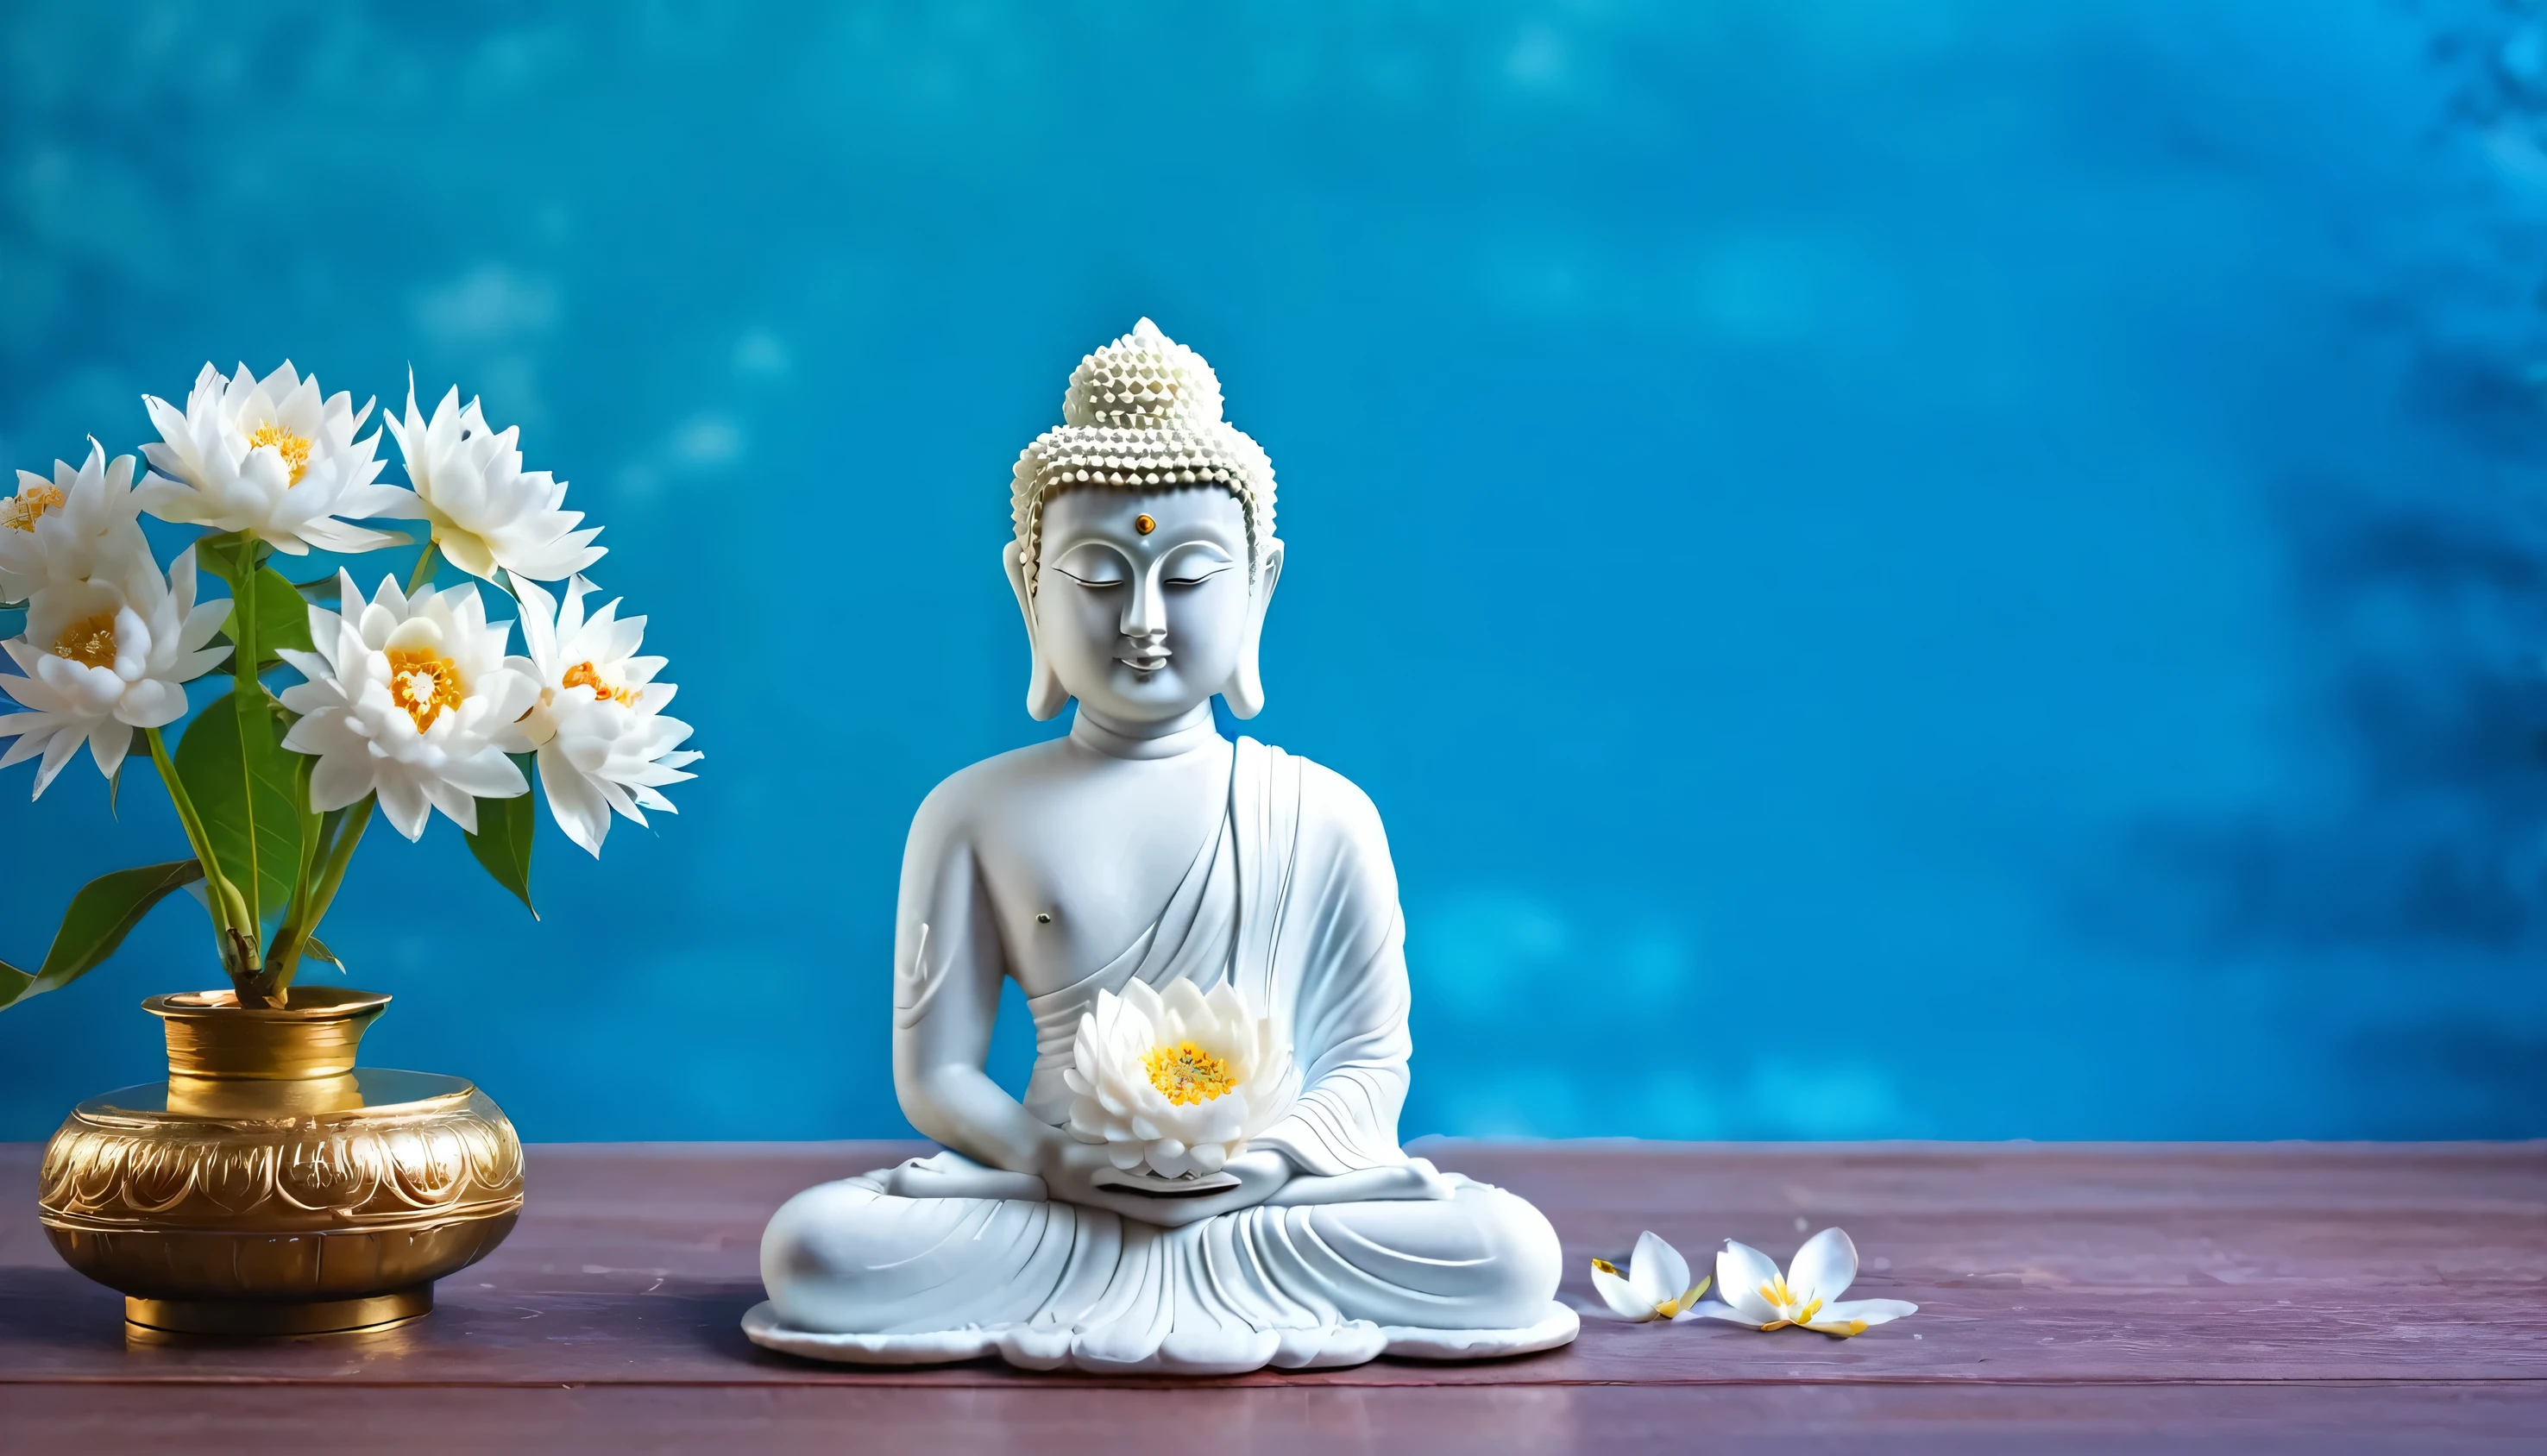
x: 585, y: 675
x: 1188, y: 1074
x: 422, y: 684
x: 1783, y: 1299
x: 89, y: 641
x: 30, y: 502
x: 295, y: 449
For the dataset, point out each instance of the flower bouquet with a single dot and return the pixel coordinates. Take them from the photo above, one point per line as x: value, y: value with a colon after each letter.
x: 396, y: 703
x: 407, y: 701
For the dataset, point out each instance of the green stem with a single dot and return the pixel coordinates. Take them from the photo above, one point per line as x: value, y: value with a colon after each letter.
x: 230, y: 912
x: 283, y: 953
x: 307, y: 910
x: 423, y: 571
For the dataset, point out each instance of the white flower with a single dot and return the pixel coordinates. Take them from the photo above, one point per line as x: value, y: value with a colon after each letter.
x: 80, y: 524
x: 1179, y: 1081
x: 1808, y: 1294
x: 271, y: 457
x: 411, y: 698
x: 487, y: 512
x: 1655, y: 1287
x: 105, y: 657
x: 605, y: 744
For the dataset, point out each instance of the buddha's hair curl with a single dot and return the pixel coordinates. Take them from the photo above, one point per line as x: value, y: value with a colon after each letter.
x: 1142, y: 413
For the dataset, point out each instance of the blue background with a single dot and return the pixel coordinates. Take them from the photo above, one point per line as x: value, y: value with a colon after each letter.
x: 1965, y: 570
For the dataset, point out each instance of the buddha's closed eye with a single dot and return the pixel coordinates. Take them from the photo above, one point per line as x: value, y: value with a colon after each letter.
x: 1195, y: 563
x: 1093, y: 565
x: 1098, y: 568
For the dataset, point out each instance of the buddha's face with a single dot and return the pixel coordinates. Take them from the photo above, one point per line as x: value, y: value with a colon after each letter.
x: 1143, y: 610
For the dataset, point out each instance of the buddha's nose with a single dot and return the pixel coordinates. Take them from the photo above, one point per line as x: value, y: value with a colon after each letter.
x: 1145, y: 613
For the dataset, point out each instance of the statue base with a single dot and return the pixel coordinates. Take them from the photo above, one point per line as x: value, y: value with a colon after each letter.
x: 1049, y: 1347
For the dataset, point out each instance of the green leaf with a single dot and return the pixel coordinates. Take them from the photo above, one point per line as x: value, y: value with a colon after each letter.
x: 315, y: 947
x: 267, y: 612
x: 245, y: 788
x: 502, y: 842
x: 99, y: 917
x: 282, y: 617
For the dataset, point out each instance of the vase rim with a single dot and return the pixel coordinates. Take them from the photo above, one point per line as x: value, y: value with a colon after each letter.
x: 304, y: 1003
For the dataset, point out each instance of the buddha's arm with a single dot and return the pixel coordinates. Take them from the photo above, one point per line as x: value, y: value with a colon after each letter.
x: 1351, y: 995
x: 948, y: 967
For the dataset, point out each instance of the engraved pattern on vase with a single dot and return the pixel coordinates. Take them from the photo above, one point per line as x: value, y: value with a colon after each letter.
x: 335, y: 1172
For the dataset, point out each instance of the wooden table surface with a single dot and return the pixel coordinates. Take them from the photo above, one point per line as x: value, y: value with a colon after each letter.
x: 2298, y: 1297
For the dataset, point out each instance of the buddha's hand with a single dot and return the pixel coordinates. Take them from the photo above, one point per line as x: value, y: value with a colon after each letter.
x: 1416, y: 1179
x: 1072, y: 1168
x: 1261, y: 1173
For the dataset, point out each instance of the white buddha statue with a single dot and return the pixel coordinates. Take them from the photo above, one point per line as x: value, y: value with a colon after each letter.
x: 1147, y: 1226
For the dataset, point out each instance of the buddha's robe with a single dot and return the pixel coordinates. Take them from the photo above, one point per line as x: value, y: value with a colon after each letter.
x: 1294, y: 900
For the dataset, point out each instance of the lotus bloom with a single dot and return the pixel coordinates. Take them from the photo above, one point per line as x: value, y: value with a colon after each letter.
x: 1655, y: 1287
x: 485, y: 510
x: 271, y: 457
x: 1808, y: 1294
x: 603, y: 744
x: 105, y: 657
x: 411, y: 698
x: 1178, y: 1081
x: 80, y: 524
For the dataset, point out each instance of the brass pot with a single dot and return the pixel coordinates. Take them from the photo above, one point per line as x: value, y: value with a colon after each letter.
x: 270, y: 1186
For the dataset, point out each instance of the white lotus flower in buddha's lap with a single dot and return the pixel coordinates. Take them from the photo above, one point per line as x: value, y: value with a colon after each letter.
x: 1806, y: 1295
x: 105, y: 657
x: 271, y: 457
x: 487, y: 512
x: 78, y: 525
x: 411, y: 698
x: 605, y: 745
x: 1178, y: 1081
x: 1655, y: 1287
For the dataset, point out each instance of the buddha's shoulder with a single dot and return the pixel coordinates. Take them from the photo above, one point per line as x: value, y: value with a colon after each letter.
x: 982, y: 788
x: 1331, y: 801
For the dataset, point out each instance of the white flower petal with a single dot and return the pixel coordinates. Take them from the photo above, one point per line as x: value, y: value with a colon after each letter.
x: 1622, y: 1297
x: 1823, y: 1268
x: 1656, y: 1270
x: 576, y: 804
x: 1872, y: 1312
x: 107, y: 744
x: 456, y: 805
x: 405, y: 802
x: 337, y: 779
x: 1740, y: 1270
x: 152, y: 703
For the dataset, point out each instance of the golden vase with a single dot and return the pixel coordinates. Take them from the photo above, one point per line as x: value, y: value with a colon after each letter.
x: 270, y: 1186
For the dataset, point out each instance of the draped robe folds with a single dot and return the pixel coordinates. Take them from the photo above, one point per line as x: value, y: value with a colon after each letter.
x: 1292, y: 897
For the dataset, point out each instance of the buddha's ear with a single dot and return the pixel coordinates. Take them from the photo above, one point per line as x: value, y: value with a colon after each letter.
x: 1045, y: 696
x: 1245, y: 692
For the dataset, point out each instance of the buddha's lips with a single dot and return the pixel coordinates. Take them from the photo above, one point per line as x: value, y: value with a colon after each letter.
x: 1144, y: 657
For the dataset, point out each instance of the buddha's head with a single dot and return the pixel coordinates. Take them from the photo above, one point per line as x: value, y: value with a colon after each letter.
x: 1145, y: 551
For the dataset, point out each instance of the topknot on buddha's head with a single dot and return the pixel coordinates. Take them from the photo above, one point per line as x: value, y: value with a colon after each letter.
x: 1142, y: 413
x: 1142, y: 381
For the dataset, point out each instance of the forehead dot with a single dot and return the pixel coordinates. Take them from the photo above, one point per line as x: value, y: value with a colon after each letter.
x: 1144, y: 525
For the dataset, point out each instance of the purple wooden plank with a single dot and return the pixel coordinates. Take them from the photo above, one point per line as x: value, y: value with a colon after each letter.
x: 779, y: 1421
